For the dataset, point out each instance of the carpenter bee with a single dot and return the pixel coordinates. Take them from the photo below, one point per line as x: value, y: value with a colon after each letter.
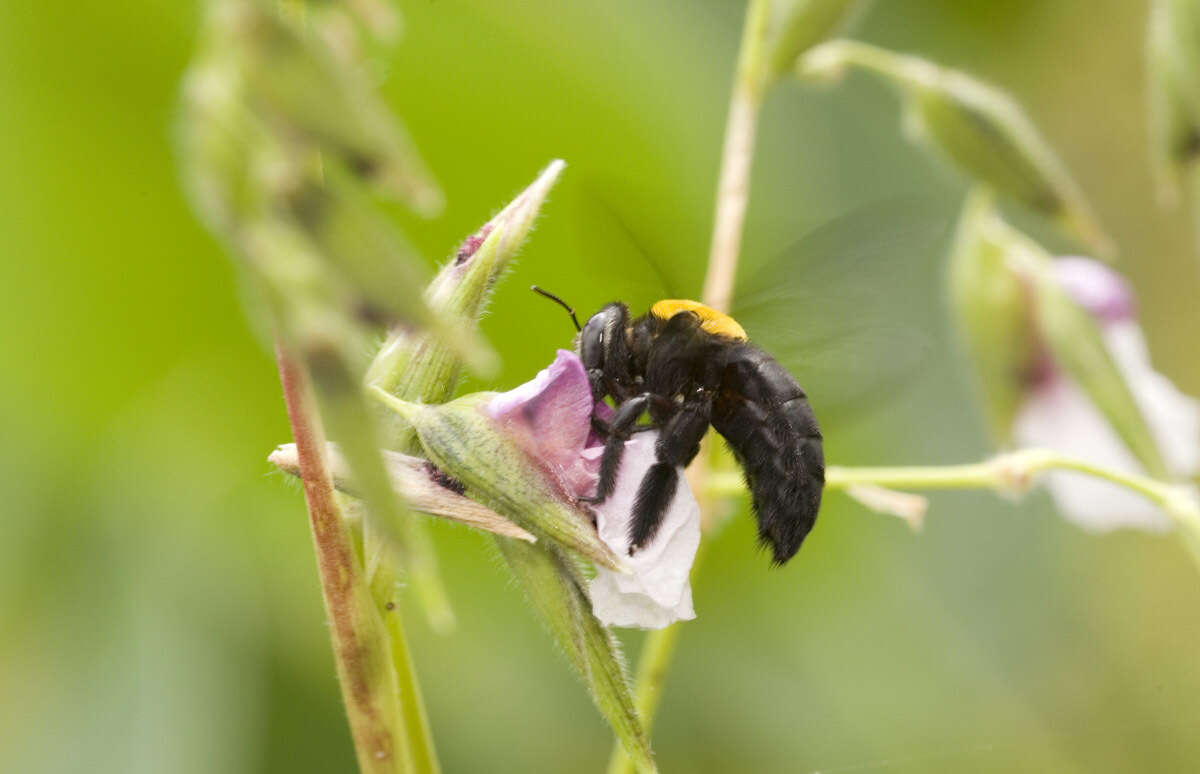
x: 688, y: 366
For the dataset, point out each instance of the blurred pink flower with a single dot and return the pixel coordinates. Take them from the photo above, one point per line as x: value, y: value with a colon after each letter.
x: 550, y: 417
x: 1056, y: 414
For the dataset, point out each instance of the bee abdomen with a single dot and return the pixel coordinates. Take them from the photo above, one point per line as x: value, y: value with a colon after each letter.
x: 778, y: 442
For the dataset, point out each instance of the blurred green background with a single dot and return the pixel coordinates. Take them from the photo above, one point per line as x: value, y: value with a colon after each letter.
x: 159, y: 610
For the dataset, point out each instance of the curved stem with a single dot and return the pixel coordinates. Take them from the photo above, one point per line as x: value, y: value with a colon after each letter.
x: 653, y: 664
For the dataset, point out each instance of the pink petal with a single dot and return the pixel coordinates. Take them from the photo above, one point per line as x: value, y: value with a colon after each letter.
x: 1095, y: 287
x: 550, y: 416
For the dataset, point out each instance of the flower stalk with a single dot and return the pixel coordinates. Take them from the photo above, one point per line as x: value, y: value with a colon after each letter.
x: 376, y: 702
x: 733, y: 186
x: 1011, y: 473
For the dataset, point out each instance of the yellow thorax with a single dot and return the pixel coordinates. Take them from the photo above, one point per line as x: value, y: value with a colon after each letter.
x: 711, y: 320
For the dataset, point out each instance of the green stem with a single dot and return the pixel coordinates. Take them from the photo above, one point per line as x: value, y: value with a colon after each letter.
x: 653, y: 663
x: 413, y: 718
x: 359, y: 644
x: 733, y: 186
x: 1013, y: 471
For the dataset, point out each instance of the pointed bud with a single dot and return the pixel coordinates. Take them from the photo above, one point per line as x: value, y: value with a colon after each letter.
x: 799, y: 25
x: 416, y: 368
x: 976, y: 127
x: 1022, y: 327
x: 462, y: 440
x: 554, y: 584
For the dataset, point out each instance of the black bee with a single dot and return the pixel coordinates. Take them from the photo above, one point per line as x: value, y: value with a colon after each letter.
x: 689, y: 366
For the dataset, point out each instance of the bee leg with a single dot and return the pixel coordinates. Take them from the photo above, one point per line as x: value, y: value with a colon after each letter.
x: 618, y: 432
x: 675, y: 448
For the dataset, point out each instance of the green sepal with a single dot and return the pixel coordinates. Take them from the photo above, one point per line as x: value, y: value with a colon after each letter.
x: 464, y: 442
x: 990, y: 305
x: 416, y: 367
x: 1076, y: 344
x: 554, y: 583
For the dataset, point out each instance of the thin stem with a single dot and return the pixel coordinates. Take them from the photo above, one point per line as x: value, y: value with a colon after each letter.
x: 655, y: 660
x: 733, y: 193
x: 413, y: 716
x: 733, y: 185
x: 356, y: 652
x: 1014, y: 471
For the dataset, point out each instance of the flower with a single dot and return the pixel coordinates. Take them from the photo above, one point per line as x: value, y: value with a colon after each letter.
x: 550, y: 418
x: 1057, y: 414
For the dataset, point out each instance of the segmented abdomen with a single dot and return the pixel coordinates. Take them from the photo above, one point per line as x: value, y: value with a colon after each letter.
x: 766, y: 418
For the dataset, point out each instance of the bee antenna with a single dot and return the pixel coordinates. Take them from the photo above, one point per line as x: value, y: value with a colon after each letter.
x: 558, y: 301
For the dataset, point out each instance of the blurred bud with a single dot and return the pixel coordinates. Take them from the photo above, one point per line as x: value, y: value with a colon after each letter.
x: 468, y: 444
x: 553, y: 582
x: 424, y: 487
x: 295, y: 78
x: 415, y: 367
x: 1068, y: 414
x: 991, y: 306
x: 1062, y: 365
x: 1074, y: 342
x: 1173, y: 66
x: 976, y: 127
x: 798, y: 25
x: 326, y: 201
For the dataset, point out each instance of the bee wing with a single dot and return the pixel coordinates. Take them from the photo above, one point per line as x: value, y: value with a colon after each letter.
x: 846, y: 310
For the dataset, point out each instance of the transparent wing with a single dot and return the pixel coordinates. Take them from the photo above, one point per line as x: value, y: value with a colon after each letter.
x: 850, y: 308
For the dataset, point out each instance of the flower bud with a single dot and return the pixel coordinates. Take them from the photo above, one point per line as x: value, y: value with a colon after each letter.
x: 1062, y: 365
x: 990, y: 303
x: 1173, y: 66
x: 415, y: 367
x: 462, y: 440
x: 978, y: 128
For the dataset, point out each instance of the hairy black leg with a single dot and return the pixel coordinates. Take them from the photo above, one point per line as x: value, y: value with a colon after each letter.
x: 665, y: 406
x: 676, y: 446
x: 653, y: 498
x: 618, y: 432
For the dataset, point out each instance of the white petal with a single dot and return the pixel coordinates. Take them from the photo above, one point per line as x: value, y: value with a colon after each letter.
x: 1174, y: 418
x: 657, y: 592
x: 1059, y: 416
